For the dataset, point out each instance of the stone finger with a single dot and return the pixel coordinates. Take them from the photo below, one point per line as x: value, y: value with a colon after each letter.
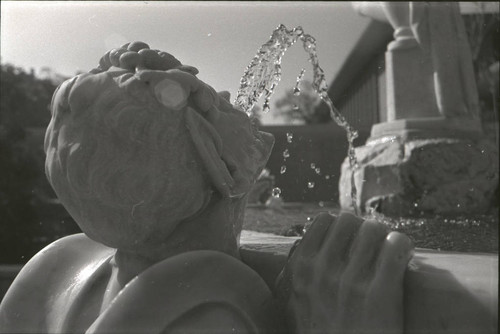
x: 395, y: 254
x: 384, y: 302
x: 226, y: 95
x: 205, y: 97
x: 301, y: 259
x: 337, y: 242
x: 313, y: 240
x: 365, y: 249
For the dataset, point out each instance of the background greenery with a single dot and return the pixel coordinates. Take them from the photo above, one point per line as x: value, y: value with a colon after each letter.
x: 29, y: 216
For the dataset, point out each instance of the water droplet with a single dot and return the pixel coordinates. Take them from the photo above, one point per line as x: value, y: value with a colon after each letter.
x: 296, y: 89
x: 321, y: 204
x: 327, y: 177
x: 295, y: 107
x: 310, y: 184
x: 286, y: 153
x: 317, y: 170
x: 289, y: 137
x: 309, y: 219
x: 313, y: 165
x: 276, y: 192
x: 266, y: 107
x: 283, y: 169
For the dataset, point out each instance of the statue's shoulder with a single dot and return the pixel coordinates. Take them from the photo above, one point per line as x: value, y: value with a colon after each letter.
x: 64, y: 257
x: 47, y: 276
x: 75, y: 247
x: 196, y: 291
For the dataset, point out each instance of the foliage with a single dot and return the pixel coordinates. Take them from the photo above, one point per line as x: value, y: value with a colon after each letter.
x: 302, y: 107
x: 24, y: 103
x: 25, y: 98
x: 483, y: 31
x: 480, y: 27
x: 18, y: 175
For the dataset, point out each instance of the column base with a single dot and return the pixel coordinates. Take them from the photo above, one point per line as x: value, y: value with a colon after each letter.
x: 429, y: 127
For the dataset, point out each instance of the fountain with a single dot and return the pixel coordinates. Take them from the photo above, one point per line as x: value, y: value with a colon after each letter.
x: 155, y: 167
x: 454, y: 268
x: 264, y: 72
x: 431, y: 156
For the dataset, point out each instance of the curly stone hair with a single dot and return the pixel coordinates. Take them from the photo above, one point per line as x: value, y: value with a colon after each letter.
x: 110, y: 150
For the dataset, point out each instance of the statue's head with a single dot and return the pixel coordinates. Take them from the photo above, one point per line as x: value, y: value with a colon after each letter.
x: 139, y: 145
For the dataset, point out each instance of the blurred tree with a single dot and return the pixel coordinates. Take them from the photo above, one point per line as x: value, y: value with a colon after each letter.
x: 25, y: 97
x: 302, y: 106
x: 479, y: 27
x: 18, y: 174
x: 483, y: 30
x: 24, y: 104
x: 46, y: 73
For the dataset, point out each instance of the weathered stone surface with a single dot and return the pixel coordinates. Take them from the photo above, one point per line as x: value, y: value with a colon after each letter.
x: 427, y: 176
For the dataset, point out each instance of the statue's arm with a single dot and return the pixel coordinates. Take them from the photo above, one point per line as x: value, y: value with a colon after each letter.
x: 212, y: 318
x: 346, y: 276
x: 32, y: 302
x: 196, y: 291
x: 441, y: 292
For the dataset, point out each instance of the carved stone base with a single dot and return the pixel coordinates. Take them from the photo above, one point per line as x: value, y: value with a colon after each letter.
x: 399, y: 177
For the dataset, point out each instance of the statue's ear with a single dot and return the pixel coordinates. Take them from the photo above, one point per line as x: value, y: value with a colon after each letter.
x: 209, y: 146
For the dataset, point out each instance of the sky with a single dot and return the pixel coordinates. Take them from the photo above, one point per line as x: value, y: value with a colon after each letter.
x: 219, y: 38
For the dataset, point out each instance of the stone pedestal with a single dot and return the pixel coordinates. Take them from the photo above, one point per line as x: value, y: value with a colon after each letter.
x: 423, y: 176
x: 431, y: 156
x: 410, y: 83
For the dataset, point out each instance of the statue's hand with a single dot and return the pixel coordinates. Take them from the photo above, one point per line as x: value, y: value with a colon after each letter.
x: 346, y: 276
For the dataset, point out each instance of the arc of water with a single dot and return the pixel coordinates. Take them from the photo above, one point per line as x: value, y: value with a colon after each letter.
x: 263, y: 74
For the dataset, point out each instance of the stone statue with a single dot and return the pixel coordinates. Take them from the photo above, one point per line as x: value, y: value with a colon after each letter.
x: 431, y: 117
x: 439, y: 30
x: 155, y: 167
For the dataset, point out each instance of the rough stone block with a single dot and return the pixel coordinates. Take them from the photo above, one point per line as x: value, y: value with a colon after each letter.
x: 427, y: 176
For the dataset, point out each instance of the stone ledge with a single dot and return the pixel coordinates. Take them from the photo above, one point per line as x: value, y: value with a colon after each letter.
x: 432, y: 278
